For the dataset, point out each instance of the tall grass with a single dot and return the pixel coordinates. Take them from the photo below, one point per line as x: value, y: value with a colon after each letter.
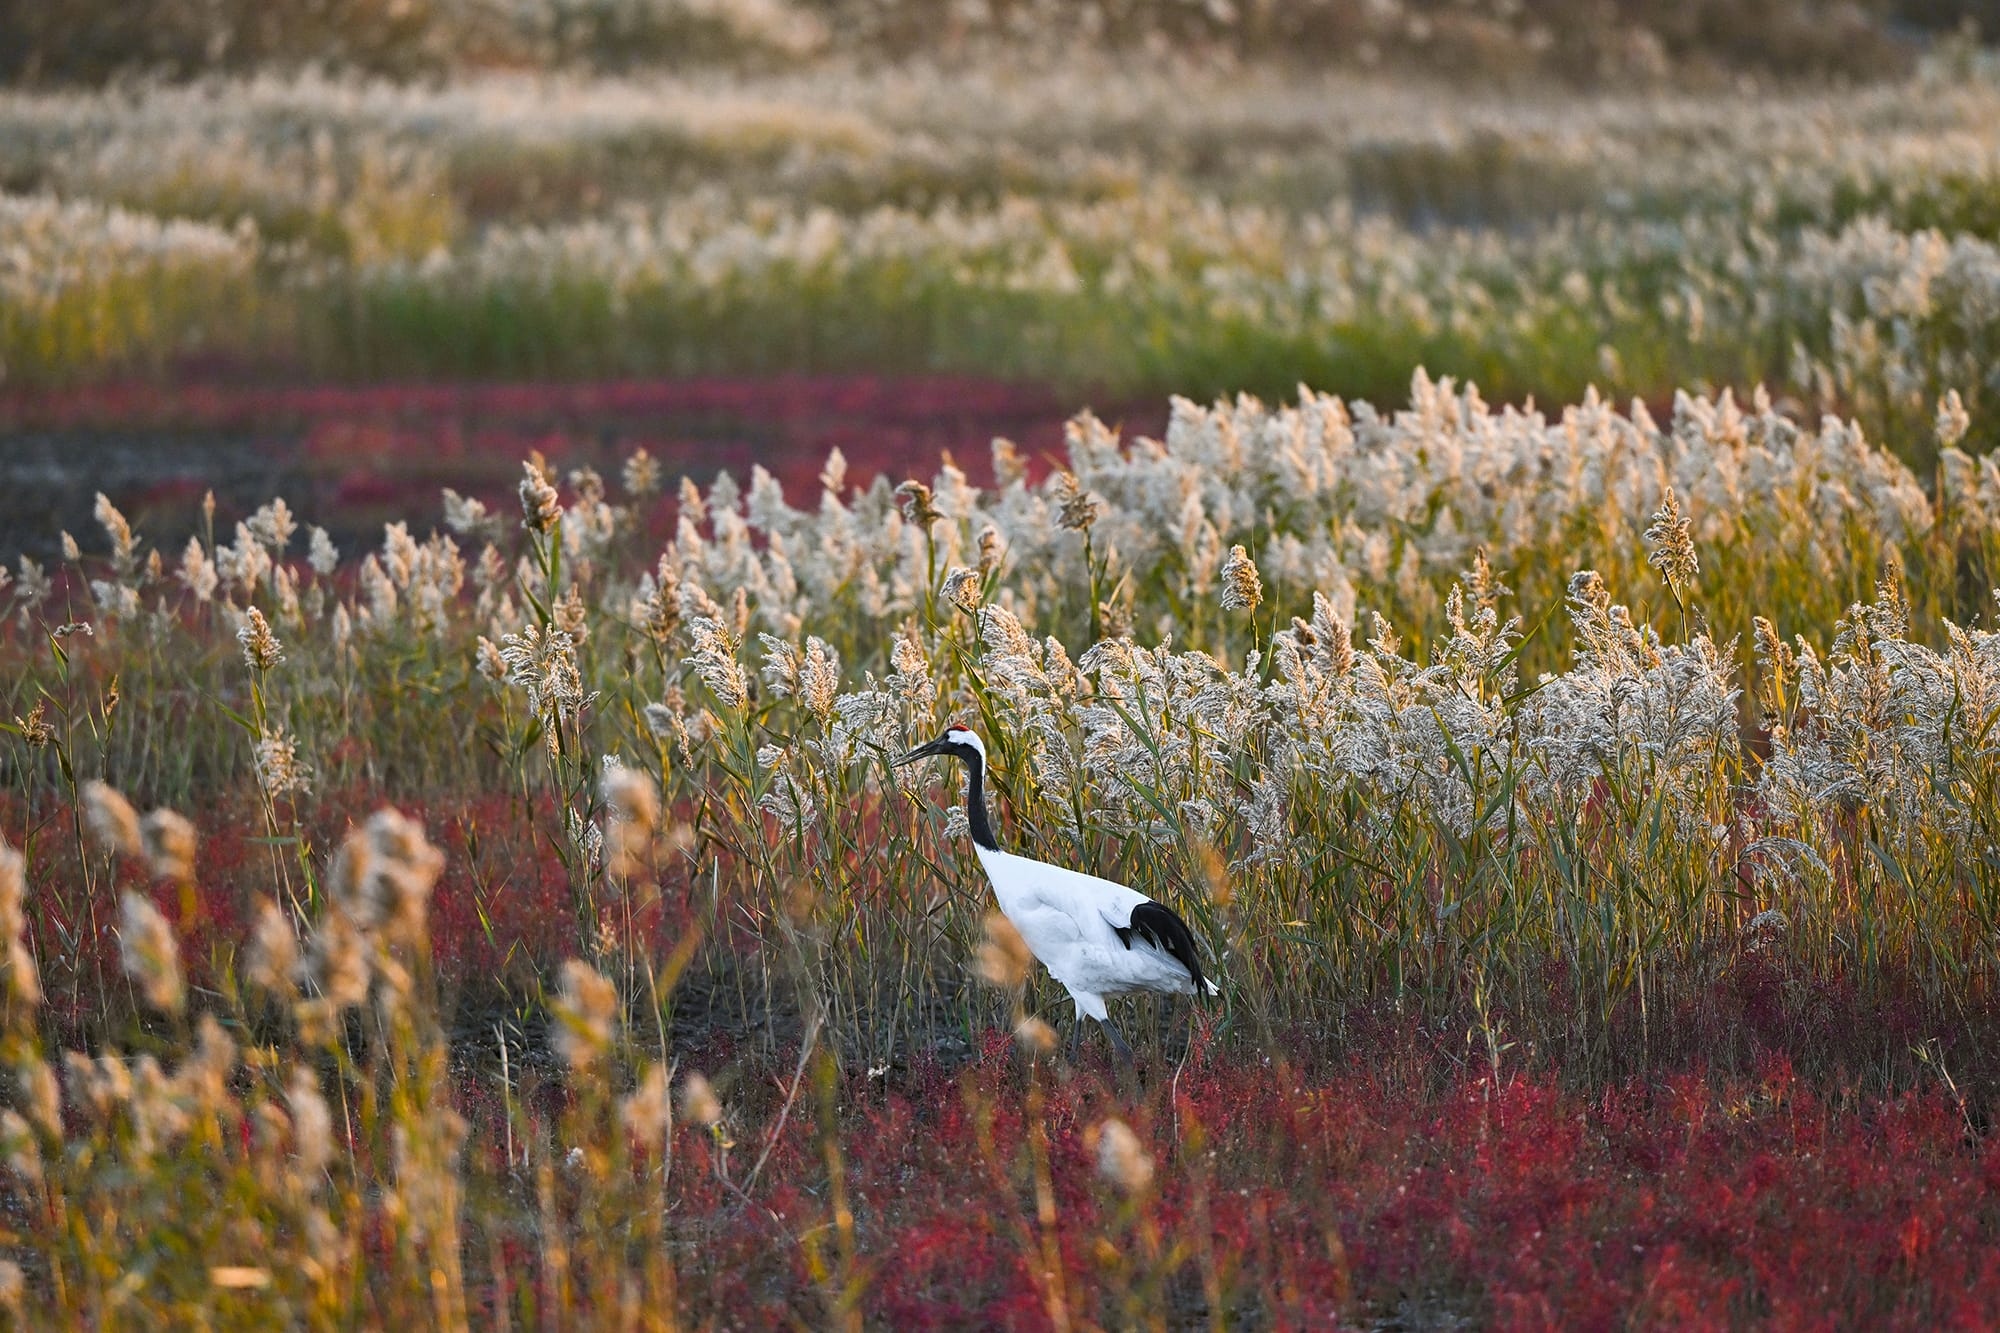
x: 1578, y: 790
x: 1555, y: 823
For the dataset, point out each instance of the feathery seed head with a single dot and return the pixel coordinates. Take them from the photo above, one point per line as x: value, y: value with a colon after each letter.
x: 634, y: 805
x: 465, y: 515
x: 541, y: 507
x: 148, y: 952
x: 1122, y: 1160
x: 714, y: 661
x: 833, y: 477
x: 20, y: 1147
x: 24, y: 981
x: 35, y: 727
x: 321, y: 553
x: 113, y: 823
x: 279, y: 768
x: 123, y: 543
x: 197, y: 572
x: 101, y: 1086
x: 588, y: 485
x: 168, y: 840
x: 312, y: 1125
x: 1588, y: 591
x: 570, y: 615
x: 1076, y: 508
x: 1242, y: 588
x: 915, y: 498
x: 642, y: 475
x: 337, y: 961
x: 1766, y: 931
x: 992, y: 549
x: 261, y: 649
x: 907, y: 654
x: 1672, y: 539
x: 631, y: 796
x: 1779, y: 667
x: 586, y: 1012
x: 273, y: 526
x: 648, y: 1112
x: 694, y: 509
x: 1009, y: 468
x: 271, y: 957
x: 699, y: 1102
x: 962, y: 589
x: 656, y: 604
x: 1953, y: 421
x: 401, y: 869
x: 41, y: 1094
x: 1003, y: 958
x: 819, y: 680
x: 1034, y: 1036
x: 1481, y: 583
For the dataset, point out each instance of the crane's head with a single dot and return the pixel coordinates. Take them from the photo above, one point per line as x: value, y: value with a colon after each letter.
x: 960, y: 742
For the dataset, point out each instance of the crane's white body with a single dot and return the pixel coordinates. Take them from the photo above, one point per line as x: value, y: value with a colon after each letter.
x: 1070, y: 922
x: 1096, y: 937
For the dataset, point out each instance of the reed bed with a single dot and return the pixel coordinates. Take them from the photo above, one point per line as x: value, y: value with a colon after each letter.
x: 1662, y: 761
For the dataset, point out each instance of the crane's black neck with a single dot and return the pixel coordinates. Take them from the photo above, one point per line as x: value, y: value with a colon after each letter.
x: 975, y: 799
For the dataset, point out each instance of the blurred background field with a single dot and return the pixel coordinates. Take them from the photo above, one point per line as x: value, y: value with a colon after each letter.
x: 1193, y: 200
x: 1486, y: 506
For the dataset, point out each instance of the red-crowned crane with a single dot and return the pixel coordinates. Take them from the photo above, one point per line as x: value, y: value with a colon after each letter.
x: 1096, y: 937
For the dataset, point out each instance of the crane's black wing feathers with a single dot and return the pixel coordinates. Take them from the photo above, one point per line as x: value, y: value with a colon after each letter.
x: 1159, y: 927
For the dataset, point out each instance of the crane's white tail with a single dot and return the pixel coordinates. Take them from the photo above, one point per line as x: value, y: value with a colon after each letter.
x: 1165, y: 931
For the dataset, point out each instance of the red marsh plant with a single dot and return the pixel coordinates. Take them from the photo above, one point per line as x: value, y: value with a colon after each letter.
x: 369, y: 1176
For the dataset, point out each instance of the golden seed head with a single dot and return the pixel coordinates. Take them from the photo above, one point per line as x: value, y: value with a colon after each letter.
x: 962, y: 589
x: 261, y: 649
x: 1242, y: 587
x: 169, y: 841
x: 1672, y: 539
x: 1003, y: 957
x: 541, y: 507
x: 647, y: 1112
x: 149, y: 953
x: 915, y: 498
x: 586, y: 1012
x: 113, y: 823
x: 1034, y: 1036
x: 271, y: 958
x: 642, y: 475
x: 699, y: 1102
x: 1076, y: 508
x: 1121, y: 1159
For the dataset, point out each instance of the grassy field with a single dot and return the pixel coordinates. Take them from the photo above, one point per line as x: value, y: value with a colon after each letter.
x: 480, y: 896
x: 1115, y: 231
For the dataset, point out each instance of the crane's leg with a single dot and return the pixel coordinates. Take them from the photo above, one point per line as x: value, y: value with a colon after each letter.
x: 1118, y: 1046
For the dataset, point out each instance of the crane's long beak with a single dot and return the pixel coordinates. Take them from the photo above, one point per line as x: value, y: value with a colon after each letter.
x: 924, y: 751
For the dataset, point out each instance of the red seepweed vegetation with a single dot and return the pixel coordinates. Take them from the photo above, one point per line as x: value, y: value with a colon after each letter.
x: 1396, y: 1178
x: 1360, y: 1195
